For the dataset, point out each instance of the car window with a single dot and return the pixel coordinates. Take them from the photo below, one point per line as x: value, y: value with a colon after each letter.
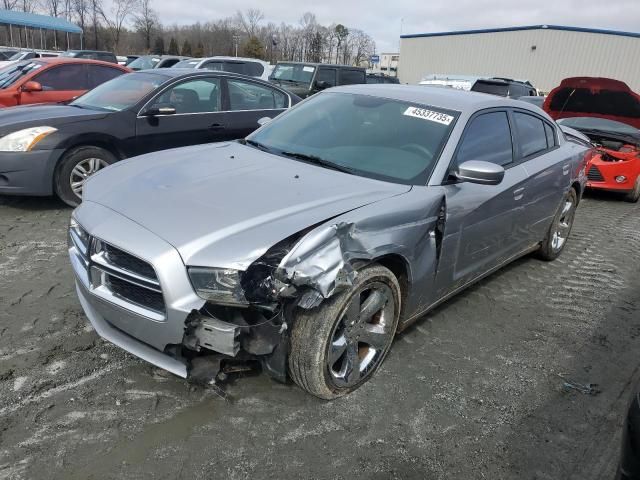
x: 350, y: 77
x: 517, y: 90
x: 194, y: 96
x: 98, y: 74
x: 551, y: 137
x: 251, y: 96
x: 234, y: 67
x: 11, y: 74
x: 120, y: 93
x: 105, y: 57
x: 531, y: 134
x: 327, y: 75
x: 170, y: 62
x: 63, y: 77
x: 500, y: 89
x: 254, y: 69
x: 487, y: 138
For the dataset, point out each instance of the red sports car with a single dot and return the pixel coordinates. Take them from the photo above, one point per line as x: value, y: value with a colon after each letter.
x: 608, y: 112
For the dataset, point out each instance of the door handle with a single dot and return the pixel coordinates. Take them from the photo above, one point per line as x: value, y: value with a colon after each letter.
x: 518, y: 194
x: 565, y: 169
x: 217, y: 126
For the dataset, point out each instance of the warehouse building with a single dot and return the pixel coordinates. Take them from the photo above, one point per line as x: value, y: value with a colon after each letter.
x: 542, y: 54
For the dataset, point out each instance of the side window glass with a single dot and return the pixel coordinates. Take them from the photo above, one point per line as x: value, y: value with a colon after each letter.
x: 531, y: 134
x: 487, y: 138
x: 64, y: 77
x: 99, y: 74
x: 551, y: 137
x: 194, y: 96
x: 254, y: 69
x: 250, y: 96
x: 326, y: 75
x: 350, y: 77
x: 216, y: 66
x: 235, y: 67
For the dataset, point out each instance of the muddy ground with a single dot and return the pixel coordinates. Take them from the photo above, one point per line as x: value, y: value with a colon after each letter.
x: 472, y: 391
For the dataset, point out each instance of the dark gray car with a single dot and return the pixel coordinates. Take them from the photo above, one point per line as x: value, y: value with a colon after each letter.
x: 305, y: 79
x: 308, y: 245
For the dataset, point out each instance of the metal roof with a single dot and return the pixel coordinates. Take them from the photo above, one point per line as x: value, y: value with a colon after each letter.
x: 528, y: 27
x: 33, y: 20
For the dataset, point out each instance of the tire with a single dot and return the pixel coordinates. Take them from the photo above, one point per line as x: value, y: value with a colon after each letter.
x: 634, y: 195
x: 88, y: 160
x: 560, y: 228
x: 323, y: 371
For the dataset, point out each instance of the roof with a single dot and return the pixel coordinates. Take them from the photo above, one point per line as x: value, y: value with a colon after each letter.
x: 446, y: 98
x: 528, y: 27
x: 34, y: 20
x: 57, y: 60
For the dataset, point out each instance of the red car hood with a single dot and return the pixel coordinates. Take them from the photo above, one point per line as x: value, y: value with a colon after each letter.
x: 594, y: 97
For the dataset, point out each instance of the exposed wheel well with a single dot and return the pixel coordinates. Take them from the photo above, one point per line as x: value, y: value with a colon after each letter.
x: 400, y: 269
x: 576, y: 186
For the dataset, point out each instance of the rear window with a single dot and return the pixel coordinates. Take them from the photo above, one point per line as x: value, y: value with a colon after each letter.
x: 501, y: 89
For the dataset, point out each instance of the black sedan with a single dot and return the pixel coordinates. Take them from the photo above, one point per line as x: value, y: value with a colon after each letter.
x: 53, y: 149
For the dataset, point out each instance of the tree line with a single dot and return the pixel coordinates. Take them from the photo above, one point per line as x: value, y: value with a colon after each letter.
x: 134, y: 27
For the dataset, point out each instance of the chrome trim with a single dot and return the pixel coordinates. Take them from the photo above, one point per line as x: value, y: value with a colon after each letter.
x: 101, y: 259
x: 124, y: 276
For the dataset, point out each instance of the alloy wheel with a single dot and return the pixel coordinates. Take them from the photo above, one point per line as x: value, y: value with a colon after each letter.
x: 563, y: 227
x: 82, y: 171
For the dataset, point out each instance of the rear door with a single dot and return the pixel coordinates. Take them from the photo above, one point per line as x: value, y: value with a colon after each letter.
x: 59, y: 84
x: 548, y: 174
x: 199, y: 116
x: 250, y: 101
x: 480, y: 228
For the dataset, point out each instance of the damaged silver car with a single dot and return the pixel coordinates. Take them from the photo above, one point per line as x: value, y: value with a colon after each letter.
x: 307, y: 246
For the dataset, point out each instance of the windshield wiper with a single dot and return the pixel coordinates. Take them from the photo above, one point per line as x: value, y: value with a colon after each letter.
x: 317, y: 161
x: 258, y: 145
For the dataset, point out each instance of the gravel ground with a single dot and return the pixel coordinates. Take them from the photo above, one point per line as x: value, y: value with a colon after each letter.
x: 471, y: 391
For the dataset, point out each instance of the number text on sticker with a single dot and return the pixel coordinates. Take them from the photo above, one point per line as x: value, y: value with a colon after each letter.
x: 429, y: 115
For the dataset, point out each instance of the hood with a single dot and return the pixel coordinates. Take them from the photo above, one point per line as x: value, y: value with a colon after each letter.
x: 594, y: 97
x: 14, y: 118
x: 225, y: 204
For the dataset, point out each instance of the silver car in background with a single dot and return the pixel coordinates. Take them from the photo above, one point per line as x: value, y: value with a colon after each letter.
x: 309, y: 244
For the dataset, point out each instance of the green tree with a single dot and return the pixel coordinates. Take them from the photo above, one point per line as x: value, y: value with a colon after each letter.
x: 254, y: 48
x: 186, y: 48
x: 199, y: 51
x: 173, y: 47
x: 158, y: 47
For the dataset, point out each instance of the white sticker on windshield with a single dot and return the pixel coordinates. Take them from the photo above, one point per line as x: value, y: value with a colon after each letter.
x: 430, y: 115
x: 308, y: 69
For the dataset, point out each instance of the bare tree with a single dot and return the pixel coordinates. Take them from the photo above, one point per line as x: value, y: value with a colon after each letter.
x: 145, y: 21
x: 249, y: 20
x: 96, y: 8
x: 116, y: 17
x: 81, y: 10
x: 362, y: 46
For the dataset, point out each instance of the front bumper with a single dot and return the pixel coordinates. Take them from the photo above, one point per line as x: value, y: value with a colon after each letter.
x: 602, y: 175
x: 28, y: 173
x: 136, y: 329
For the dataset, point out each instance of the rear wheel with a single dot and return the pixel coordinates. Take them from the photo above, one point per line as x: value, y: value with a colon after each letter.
x: 75, y: 167
x: 634, y: 195
x: 338, y: 346
x: 560, y: 228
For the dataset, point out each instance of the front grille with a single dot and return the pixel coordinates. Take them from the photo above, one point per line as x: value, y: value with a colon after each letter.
x: 135, y: 293
x: 594, y: 174
x: 128, y: 262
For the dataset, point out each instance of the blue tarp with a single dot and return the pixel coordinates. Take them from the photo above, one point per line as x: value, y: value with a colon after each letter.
x: 34, y: 20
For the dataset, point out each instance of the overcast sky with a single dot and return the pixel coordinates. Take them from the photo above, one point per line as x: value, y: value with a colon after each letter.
x: 383, y: 19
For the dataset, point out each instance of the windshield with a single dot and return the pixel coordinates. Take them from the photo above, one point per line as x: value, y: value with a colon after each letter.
x: 121, y: 92
x: 293, y: 72
x: 368, y: 136
x: 17, y: 56
x: 187, y: 63
x: 11, y: 74
x: 601, y: 124
x: 144, y: 63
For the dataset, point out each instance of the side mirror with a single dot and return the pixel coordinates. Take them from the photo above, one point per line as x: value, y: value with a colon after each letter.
x: 160, y: 109
x: 476, y: 171
x: 32, y: 86
x: 264, y: 120
x: 321, y: 85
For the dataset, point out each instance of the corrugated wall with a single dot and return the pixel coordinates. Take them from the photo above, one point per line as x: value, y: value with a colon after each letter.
x: 558, y: 54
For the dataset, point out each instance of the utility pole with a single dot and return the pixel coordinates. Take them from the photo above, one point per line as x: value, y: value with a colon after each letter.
x: 236, y: 41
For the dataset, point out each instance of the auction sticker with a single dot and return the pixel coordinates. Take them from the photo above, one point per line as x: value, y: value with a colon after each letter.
x: 430, y: 115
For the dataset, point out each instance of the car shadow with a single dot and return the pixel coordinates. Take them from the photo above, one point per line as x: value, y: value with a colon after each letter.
x: 603, y: 195
x: 33, y: 204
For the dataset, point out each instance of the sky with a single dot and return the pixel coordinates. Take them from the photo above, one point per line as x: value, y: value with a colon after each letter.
x: 384, y: 20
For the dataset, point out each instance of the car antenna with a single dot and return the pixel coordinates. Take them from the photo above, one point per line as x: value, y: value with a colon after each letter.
x: 564, y: 105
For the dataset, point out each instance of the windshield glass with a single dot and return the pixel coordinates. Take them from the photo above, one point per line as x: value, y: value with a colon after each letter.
x: 121, y: 92
x: 602, y: 124
x: 144, y: 63
x: 293, y: 72
x: 187, y: 63
x: 17, y: 56
x: 11, y: 74
x: 368, y: 136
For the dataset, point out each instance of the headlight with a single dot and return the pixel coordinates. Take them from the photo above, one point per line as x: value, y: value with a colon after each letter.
x: 24, y: 140
x: 79, y: 237
x: 218, y: 285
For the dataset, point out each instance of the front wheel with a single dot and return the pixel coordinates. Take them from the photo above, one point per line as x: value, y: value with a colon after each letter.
x: 634, y: 195
x: 75, y: 167
x: 560, y: 228
x: 338, y: 346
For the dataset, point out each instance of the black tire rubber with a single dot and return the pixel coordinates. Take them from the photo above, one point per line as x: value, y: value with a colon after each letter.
x: 634, y: 195
x: 67, y: 163
x: 312, y: 330
x: 546, y: 251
